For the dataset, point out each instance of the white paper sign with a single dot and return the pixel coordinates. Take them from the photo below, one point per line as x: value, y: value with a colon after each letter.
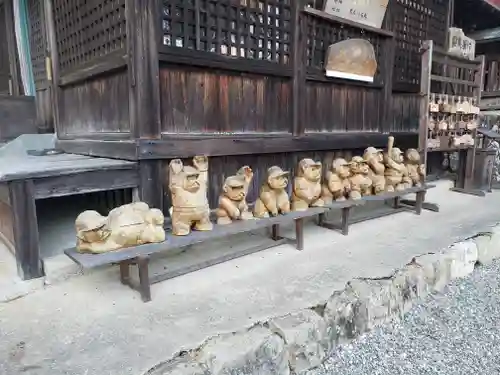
x: 461, y: 45
x: 367, y: 12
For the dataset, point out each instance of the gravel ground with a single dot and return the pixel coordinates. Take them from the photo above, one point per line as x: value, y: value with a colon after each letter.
x: 454, y: 333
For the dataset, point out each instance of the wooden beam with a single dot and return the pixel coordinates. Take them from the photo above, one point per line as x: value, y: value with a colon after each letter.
x: 101, y: 65
x: 82, y: 183
x: 188, y: 146
x: 126, y: 150
x: 25, y: 226
x: 179, y: 147
x: 342, y: 21
x: 143, y: 38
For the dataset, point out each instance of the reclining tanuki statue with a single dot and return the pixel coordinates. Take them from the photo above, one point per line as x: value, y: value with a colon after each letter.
x: 232, y: 202
x: 188, y: 186
x: 273, y: 198
x: 307, y: 186
x: 128, y: 225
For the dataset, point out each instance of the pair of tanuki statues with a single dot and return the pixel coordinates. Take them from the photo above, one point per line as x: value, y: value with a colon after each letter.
x: 135, y: 224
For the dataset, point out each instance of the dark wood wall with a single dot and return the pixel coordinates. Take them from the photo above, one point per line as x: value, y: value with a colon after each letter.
x: 171, y: 78
x: 97, y: 106
x: 196, y: 100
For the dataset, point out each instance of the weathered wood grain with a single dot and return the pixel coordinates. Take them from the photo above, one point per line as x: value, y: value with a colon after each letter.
x: 87, y: 182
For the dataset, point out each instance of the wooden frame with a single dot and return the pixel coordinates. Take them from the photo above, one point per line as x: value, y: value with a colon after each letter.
x: 22, y: 198
x: 464, y: 182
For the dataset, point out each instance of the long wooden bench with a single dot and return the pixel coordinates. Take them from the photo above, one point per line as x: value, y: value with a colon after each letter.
x: 140, y: 255
x: 398, y: 205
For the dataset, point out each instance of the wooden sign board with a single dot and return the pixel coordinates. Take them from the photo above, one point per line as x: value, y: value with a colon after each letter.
x: 366, y: 12
x: 352, y: 59
x: 461, y: 45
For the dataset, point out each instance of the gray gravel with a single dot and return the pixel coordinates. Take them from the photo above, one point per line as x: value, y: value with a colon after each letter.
x: 457, y: 332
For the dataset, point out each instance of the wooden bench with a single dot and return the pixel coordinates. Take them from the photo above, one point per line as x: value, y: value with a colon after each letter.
x: 140, y: 255
x: 398, y: 205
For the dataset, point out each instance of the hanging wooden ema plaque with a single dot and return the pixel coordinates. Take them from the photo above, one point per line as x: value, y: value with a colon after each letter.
x: 351, y: 59
x: 366, y: 12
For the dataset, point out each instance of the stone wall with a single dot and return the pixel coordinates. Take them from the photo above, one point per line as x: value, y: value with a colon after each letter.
x: 295, y: 343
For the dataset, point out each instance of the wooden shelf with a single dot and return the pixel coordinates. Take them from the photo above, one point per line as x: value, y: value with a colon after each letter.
x: 456, y: 81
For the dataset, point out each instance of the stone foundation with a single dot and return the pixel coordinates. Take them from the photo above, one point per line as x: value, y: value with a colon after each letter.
x: 297, y: 342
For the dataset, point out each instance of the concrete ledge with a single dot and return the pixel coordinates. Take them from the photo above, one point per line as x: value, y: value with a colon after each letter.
x: 300, y: 341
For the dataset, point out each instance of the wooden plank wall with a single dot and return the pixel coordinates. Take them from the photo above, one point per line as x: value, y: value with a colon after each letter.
x: 198, y: 100
x: 97, y: 106
x: 17, y: 116
x: 221, y: 71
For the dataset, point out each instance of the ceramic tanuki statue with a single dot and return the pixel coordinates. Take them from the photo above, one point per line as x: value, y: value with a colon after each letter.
x: 128, y: 225
x: 273, y: 198
x: 375, y: 160
x: 188, y: 186
x: 307, y: 186
x: 337, y: 185
x: 232, y: 202
x: 396, y: 174
x: 360, y: 182
x: 416, y: 170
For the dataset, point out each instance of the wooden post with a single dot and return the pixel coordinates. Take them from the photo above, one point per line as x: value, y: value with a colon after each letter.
x: 16, y: 84
x: 53, y: 75
x: 471, y: 153
x: 388, y: 70
x: 425, y: 86
x: 299, y: 67
x: 25, y: 228
x: 143, y: 64
x: 143, y: 38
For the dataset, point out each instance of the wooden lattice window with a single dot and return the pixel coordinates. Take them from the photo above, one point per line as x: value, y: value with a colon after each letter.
x: 88, y: 29
x: 251, y: 29
x: 322, y: 33
x: 413, y: 22
x: 38, y: 40
x: 438, y: 17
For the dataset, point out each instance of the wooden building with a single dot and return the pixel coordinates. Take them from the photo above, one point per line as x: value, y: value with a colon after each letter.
x: 241, y: 81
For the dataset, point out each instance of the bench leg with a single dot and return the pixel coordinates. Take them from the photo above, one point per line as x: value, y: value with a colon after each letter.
x: 125, y: 272
x: 144, y: 284
x: 275, y: 232
x: 396, y: 203
x: 321, y: 219
x: 299, y: 233
x: 419, y: 202
x: 346, y: 213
